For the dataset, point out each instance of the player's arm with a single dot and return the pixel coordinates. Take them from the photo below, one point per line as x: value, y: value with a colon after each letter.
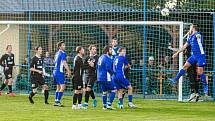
x: 32, y: 68
x: 2, y: 61
x: 181, y: 50
x: 65, y: 64
x: 86, y: 64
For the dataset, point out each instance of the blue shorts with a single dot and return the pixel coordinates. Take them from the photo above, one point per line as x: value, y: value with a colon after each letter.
x: 121, y: 82
x: 59, y: 78
x: 200, y: 60
x: 107, y: 85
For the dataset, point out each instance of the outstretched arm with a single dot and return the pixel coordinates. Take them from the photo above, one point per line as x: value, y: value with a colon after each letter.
x: 180, y: 50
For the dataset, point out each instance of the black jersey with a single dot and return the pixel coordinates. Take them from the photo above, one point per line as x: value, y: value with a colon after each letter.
x: 78, y: 68
x: 7, y: 60
x: 37, y: 63
x: 91, y: 71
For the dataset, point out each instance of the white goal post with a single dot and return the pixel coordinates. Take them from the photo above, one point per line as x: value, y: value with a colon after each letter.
x: 177, y: 23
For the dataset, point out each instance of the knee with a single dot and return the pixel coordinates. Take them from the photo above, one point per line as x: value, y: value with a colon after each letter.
x: 130, y: 88
x: 45, y: 87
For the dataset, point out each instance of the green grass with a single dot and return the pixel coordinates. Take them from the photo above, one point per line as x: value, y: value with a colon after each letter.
x: 19, y: 109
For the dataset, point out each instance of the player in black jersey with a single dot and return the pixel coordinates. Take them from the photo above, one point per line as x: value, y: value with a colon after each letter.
x: 7, y: 61
x: 91, y: 75
x: 37, y: 75
x: 78, y: 78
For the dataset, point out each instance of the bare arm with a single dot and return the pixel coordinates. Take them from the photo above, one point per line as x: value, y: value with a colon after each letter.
x: 180, y: 50
x: 67, y: 68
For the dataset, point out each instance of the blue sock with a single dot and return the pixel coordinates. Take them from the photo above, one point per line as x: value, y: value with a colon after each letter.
x: 130, y: 97
x: 56, y: 96
x: 121, y: 101
x: 104, y: 99
x: 111, y: 98
x: 60, y: 94
x: 203, y: 78
x: 180, y: 73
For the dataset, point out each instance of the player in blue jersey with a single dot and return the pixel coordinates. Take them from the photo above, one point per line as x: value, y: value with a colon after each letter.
x: 195, y: 40
x: 115, y: 47
x: 58, y: 72
x: 120, y: 64
x: 104, y: 73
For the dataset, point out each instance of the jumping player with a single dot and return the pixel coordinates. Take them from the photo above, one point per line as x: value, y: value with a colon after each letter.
x: 78, y: 78
x: 7, y: 62
x: 195, y: 40
x: 58, y: 72
x: 91, y: 75
x: 120, y: 79
x: 37, y: 75
x: 104, y: 72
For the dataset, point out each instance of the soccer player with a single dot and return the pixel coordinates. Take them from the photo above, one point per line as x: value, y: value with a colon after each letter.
x: 58, y: 72
x: 7, y: 62
x: 115, y: 47
x: 78, y: 78
x: 198, y: 56
x: 120, y: 79
x: 91, y: 75
x: 37, y: 75
x: 104, y: 73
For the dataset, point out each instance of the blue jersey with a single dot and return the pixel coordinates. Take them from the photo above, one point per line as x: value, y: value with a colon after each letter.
x: 119, y: 65
x: 60, y: 56
x: 196, y: 43
x: 104, y: 68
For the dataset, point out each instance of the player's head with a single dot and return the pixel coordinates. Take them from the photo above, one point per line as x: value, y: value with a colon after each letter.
x: 38, y: 50
x: 107, y: 50
x: 47, y: 54
x: 122, y: 51
x: 194, y: 28
x: 9, y: 48
x: 151, y: 60
x: 92, y: 49
x: 114, y: 42
x: 80, y: 50
x: 61, y: 45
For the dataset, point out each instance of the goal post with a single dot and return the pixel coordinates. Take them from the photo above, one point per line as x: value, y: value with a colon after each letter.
x: 179, y: 24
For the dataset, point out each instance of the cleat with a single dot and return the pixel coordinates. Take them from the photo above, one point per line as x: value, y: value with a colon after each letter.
x: 46, y: 103
x: 85, y: 105
x: 197, y: 97
x: 94, y: 103
x: 121, y: 107
x: 11, y: 94
x: 74, y: 107
x: 31, y: 100
x: 192, y: 97
x: 206, y: 89
x: 131, y: 105
x: 110, y: 107
x: 104, y: 108
x: 80, y: 107
x: 57, y: 104
x: 172, y: 81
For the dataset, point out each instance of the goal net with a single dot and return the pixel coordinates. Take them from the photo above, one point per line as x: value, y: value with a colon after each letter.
x: 149, y: 44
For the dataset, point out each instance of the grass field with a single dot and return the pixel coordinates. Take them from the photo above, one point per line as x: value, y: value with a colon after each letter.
x: 19, y: 109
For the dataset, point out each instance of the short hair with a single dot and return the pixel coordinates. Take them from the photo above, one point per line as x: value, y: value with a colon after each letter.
x: 106, y: 49
x: 37, y: 47
x: 78, y: 48
x: 114, y: 39
x: 120, y: 49
x: 91, y: 46
x: 196, y: 27
x: 60, y: 44
x: 8, y: 46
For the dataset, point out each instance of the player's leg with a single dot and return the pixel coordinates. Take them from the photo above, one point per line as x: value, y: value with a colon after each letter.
x: 60, y: 80
x: 111, y: 87
x: 46, y: 93
x: 120, y: 96
x: 191, y: 61
x: 103, y: 87
x: 192, y: 78
x: 89, y: 92
x: 34, y: 86
x: 60, y: 93
x: 3, y: 86
x: 77, y: 97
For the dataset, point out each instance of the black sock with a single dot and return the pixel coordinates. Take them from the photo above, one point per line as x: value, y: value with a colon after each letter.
x: 32, y: 94
x: 123, y: 95
x: 75, y: 97
x: 79, y: 98
x: 87, y: 95
x: 10, y: 88
x: 92, y: 94
x: 197, y: 86
x: 46, y: 94
x: 3, y: 86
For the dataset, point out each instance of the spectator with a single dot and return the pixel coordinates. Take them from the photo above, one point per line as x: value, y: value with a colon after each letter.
x: 48, y: 61
x: 151, y: 76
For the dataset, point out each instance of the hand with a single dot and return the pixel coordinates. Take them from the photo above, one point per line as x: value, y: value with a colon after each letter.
x: 68, y: 74
x: 91, y: 63
x: 40, y: 72
x: 6, y: 68
x: 174, y: 55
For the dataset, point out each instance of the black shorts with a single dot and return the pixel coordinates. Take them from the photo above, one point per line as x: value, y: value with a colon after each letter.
x: 90, y: 81
x: 37, y: 81
x: 8, y: 74
x: 77, y: 84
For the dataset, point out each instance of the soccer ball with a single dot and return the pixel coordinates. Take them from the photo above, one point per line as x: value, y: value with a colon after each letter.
x: 165, y: 12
